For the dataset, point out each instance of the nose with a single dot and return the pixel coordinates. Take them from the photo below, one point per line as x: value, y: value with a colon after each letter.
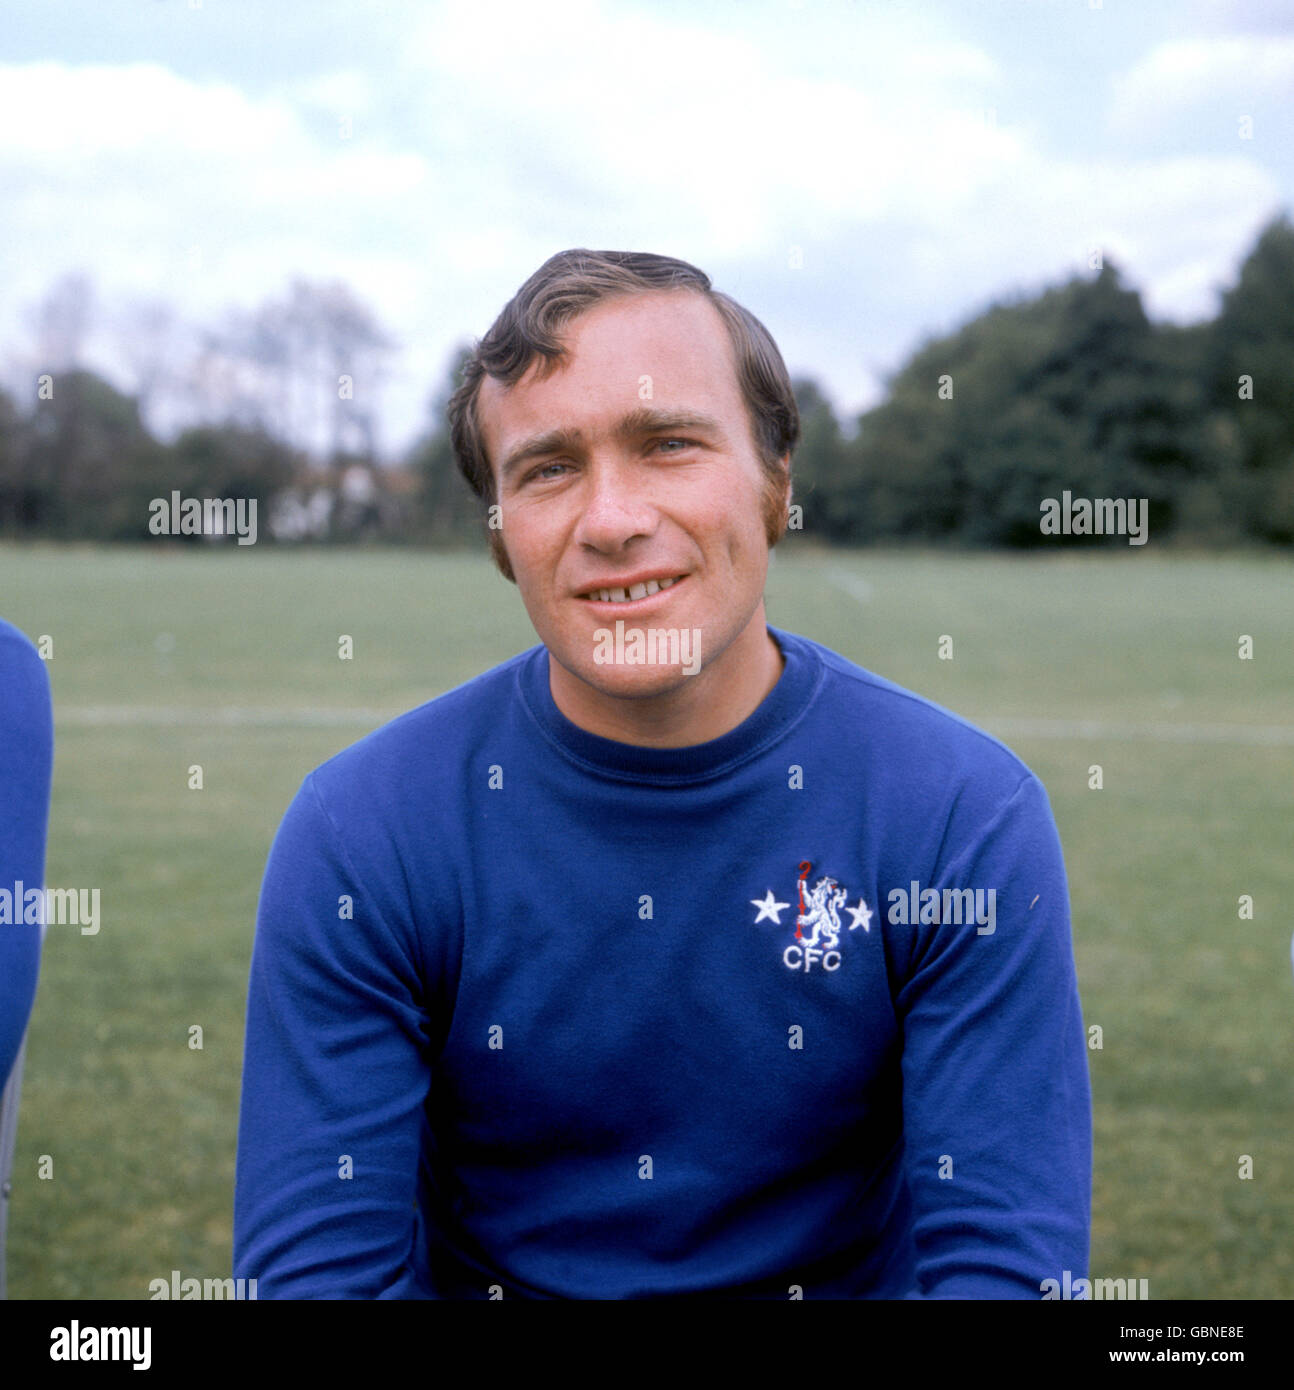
x: 616, y: 508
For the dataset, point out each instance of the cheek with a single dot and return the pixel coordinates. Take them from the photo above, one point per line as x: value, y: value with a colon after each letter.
x: 528, y: 541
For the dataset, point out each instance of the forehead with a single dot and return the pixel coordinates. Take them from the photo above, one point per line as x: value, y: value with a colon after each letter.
x: 675, y: 338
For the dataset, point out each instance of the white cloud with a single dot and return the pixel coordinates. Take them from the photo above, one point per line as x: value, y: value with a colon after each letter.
x: 1187, y: 83
x: 55, y: 110
x: 490, y: 137
x: 1226, y: 16
x: 687, y: 124
x: 1177, y: 225
x: 129, y: 169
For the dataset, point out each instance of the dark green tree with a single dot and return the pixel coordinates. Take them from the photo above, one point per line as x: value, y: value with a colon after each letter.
x: 450, y: 511
x: 86, y: 465
x: 234, y: 461
x: 1070, y: 390
x: 1249, y: 383
x: 820, y: 469
x: 19, y: 501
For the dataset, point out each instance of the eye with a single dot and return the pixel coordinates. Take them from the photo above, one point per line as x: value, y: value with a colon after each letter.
x: 686, y: 443
x: 538, y: 474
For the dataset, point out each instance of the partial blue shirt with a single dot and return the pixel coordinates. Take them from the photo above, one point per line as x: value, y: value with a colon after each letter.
x: 26, y: 769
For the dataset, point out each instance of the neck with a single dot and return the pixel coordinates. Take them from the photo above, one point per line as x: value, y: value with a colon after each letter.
x: 706, y: 706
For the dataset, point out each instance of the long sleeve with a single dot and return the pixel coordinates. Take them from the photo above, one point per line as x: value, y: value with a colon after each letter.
x: 26, y: 768
x: 997, y: 1104
x: 335, y: 1074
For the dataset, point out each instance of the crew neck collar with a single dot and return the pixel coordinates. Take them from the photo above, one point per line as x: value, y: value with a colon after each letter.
x: 771, y: 719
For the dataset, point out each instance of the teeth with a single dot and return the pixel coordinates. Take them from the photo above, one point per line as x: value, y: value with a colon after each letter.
x: 637, y: 591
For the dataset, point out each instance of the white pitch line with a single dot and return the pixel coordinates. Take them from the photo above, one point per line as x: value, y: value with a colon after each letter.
x: 229, y: 716
x: 236, y: 716
x: 1261, y: 735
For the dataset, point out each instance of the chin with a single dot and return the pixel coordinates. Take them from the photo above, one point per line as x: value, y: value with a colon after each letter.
x: 625, y: 681
x: 634, y: 682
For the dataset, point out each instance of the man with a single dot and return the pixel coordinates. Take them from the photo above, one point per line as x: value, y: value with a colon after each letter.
x: 655, y: 962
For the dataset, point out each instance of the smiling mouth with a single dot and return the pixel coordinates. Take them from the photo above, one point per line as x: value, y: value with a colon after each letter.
x: 632, y: 594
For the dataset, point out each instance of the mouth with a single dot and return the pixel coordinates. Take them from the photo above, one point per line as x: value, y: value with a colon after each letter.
x: 630, y: 596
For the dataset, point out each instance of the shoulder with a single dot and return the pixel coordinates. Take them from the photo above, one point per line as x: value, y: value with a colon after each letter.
x: 898, y: 728
x: 925, y: 782
x: 17, y: 650
x: 24, y: 689
x: 417, y: 755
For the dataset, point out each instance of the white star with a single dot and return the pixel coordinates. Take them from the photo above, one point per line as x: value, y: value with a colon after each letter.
x: 770, y: 907
x: 862, y: 915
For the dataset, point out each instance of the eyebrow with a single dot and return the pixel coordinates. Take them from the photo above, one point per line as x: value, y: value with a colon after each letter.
x: 637, y: 423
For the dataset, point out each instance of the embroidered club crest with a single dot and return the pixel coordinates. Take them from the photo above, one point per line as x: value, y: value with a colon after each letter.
x: 817, y: 923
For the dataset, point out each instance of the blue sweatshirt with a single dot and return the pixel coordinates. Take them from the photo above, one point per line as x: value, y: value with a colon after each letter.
x: 537, y: 1014
x: 26, y: 768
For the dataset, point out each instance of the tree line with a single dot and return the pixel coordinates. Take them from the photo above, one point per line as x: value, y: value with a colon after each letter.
x: 1070, y: 391
x: 1075, y: 390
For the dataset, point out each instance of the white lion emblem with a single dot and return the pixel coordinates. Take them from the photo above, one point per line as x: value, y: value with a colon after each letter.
x: 820, y: 913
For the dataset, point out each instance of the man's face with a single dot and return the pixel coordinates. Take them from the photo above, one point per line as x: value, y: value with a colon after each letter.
x: 632, y: 463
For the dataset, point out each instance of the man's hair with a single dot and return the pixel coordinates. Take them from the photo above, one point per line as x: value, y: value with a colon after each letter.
x: 572, y: 282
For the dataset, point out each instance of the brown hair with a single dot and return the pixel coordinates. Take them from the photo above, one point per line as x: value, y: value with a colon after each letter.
x: 567, y: 285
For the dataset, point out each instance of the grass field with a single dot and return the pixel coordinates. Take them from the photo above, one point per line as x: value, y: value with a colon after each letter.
x: 168, y: 657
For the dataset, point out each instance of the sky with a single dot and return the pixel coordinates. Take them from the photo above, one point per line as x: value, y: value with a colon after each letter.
x: 861, y: 175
